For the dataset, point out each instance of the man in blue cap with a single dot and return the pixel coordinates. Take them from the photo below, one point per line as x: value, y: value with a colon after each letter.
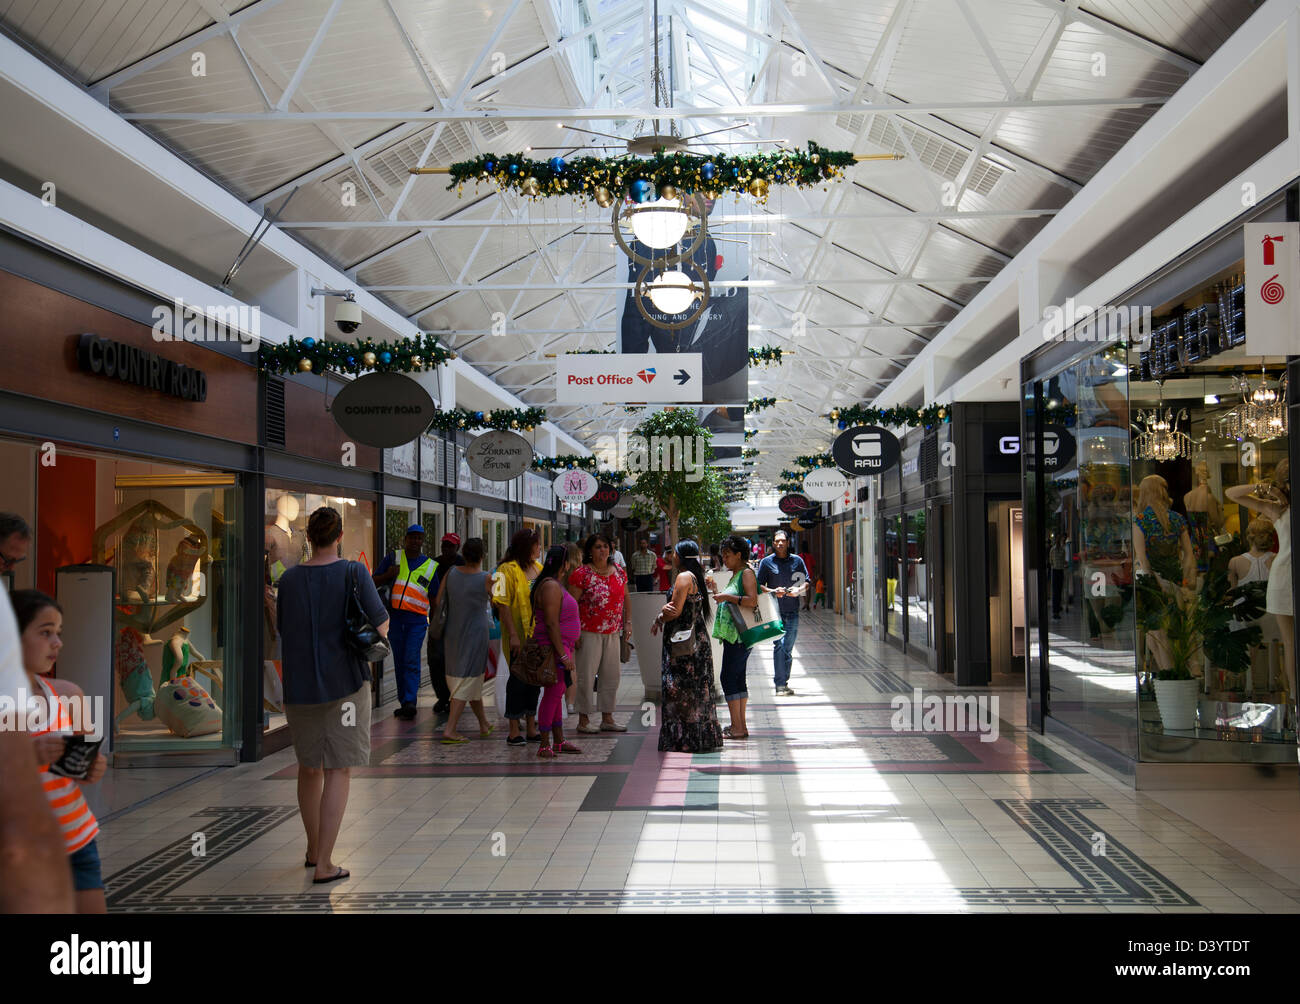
x: 410, y: 573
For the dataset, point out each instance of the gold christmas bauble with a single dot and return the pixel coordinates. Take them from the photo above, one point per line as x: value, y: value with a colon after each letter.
x: 835, y: 413
x: 816, y: 158
x: 417, y: 361
x: 758, y: 188
x: 530, y: 186
x: 604, y: 197
x: 514, y: 424
x: 304, y: 365
x: 668, y: 192
x: 368, y: 358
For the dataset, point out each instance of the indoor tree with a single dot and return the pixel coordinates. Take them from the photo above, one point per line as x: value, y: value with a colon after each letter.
x: 693, y: 498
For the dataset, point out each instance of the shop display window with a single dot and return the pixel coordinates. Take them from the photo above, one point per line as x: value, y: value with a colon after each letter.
x: 169, y: 536
x: 285, y: 531
x: 1167, y: 640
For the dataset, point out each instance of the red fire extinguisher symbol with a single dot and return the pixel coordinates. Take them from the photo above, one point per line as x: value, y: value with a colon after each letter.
x: 1268, y: 248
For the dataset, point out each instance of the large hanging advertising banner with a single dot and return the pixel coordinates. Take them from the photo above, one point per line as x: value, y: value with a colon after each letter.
x: 720, y: 335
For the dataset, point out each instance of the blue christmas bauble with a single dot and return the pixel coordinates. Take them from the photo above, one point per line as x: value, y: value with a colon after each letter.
x: 707, y: 170
x: 735, y: 172
x: 478, y: 416
x: 352, y: 361
x: 641, y: 190
x: 514, y: 168
x: 843, y: 424
x: 309, y: 343
x: 385, y: 357
x: 556, y: 164
x: 490, y: 166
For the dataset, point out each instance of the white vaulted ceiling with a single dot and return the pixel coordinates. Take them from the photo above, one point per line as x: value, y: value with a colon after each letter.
x: 315, y: 98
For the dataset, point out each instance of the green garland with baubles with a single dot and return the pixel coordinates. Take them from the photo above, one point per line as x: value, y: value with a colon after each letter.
x: 604, y: 179
x: 316, y: 355
x: 572, y: 462
x: 765, y: 356
x: 502, y: 420
x: 758, y: 404
x: 898, y: 416
x: 813, y: 461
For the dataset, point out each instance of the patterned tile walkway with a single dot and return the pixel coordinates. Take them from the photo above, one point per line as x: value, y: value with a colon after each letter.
x: 826, y: 808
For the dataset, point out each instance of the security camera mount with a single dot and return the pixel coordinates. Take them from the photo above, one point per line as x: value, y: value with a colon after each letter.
x: 347, y: 294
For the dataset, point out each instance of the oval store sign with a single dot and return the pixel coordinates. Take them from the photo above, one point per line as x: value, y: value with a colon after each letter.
x: 499, y: 456
x: 383, y: 409
x: 825, y: 484
x: 605, y: 499
x: 793, y: 504
x: 575, y: 486
x: 865, y: 449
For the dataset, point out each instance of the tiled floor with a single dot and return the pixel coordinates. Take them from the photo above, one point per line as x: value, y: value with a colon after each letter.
x: 826, y: 809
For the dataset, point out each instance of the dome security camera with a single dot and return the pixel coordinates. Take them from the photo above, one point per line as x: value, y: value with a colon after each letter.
x: 347, y: 315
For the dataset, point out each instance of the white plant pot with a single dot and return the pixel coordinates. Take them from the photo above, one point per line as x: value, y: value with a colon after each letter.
x: 643, y: 608
x: 1176, y: 701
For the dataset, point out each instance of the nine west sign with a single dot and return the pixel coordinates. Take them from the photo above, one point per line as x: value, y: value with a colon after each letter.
x: 118, y: 361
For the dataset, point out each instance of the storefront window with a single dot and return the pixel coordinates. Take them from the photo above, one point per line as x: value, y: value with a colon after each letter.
x: 893, y: 587
x: 169, y: 536
x: 285, y: 532
x: 1157, y: 524
x: 918, y: 593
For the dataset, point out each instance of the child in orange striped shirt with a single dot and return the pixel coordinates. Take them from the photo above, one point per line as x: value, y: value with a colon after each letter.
x: 40, y: 621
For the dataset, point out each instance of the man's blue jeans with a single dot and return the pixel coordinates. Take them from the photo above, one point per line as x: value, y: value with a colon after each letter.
x: 783, y: 649
x: 407, y: 640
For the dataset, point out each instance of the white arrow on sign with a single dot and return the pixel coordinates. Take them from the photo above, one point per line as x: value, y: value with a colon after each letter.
x: 594, y: 378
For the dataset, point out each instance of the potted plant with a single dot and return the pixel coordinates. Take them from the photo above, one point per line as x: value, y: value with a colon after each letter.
x: 1188, y: 632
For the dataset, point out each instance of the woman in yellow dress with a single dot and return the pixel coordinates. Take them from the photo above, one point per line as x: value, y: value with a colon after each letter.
x: 511, y: 586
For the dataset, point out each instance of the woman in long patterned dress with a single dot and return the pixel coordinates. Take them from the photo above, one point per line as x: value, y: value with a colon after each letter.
x: 689, y: 723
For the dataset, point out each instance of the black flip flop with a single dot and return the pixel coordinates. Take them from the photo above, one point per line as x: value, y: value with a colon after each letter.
x: 308, y: 864
x: 342, y: 873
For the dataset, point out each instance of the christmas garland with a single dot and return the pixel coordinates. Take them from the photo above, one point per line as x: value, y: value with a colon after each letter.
x: 502, y: 420
x: 898, y: 416
x: 590, y: 464
x: 765, y: 356
x: 591, y: 352
x: 313, y: 355
x: 603, y: 179
x: 758, y: 404
x: 749, y: 452
x: 750, y: 434
x: 813, y: 462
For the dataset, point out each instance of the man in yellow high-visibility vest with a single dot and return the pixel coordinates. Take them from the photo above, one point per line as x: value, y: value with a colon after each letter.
x: 410, y: 573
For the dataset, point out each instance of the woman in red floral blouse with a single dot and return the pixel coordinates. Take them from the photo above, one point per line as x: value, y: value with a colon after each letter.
x: 600, y: 587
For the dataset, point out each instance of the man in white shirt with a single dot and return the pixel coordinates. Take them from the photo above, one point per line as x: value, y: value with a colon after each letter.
x: 34, y: 873
x: 617, y: 558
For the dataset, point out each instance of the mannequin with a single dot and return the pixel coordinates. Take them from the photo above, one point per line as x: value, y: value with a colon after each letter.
x: 1273, y: 499
x: 281, y: 548
x: 1204, y: 516
x: 183, y: 569
x: 178, y: 655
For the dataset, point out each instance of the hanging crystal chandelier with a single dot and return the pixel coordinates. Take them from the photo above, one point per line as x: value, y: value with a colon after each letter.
x: 1157, y: 436
x: 1261, y: 416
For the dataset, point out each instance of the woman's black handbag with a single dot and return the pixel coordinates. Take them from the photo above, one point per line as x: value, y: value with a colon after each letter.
x: 362, y: 637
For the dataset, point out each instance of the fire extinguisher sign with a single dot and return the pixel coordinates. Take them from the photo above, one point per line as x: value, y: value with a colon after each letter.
x: 1272, y: 289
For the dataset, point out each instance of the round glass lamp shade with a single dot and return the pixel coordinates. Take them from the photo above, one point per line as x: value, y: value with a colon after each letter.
x: 671, y: 292
x: 657, y: 226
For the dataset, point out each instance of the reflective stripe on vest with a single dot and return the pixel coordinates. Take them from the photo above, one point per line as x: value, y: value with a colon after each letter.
x: 76, y: 822
x: 411, y: 590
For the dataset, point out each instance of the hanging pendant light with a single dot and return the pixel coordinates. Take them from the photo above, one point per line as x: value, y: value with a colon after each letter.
x: 1157, y: 436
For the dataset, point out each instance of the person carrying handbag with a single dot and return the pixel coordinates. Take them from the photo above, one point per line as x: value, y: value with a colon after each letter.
x: 689, y: 723
x: 557, y: 626
x: 742, y: 590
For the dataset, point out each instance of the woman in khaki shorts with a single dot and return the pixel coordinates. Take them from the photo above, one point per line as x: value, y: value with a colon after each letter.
x: 326, y: 686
